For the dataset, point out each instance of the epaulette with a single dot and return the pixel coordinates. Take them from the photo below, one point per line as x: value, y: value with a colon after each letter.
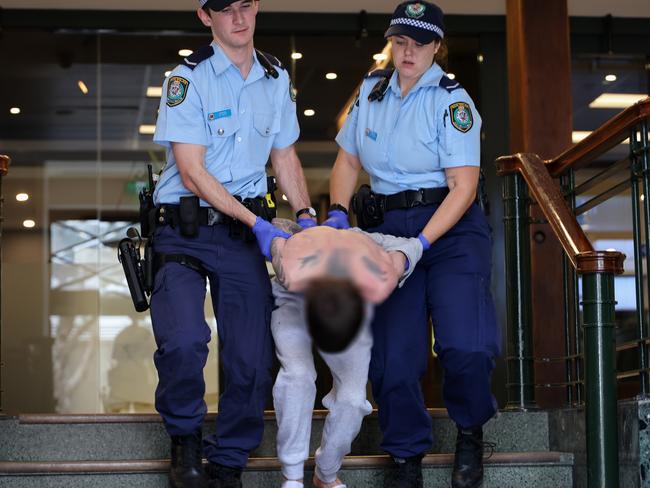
x: 379, y: 90
x: 449, y: 84
x: 269, y: 63
x: 198, y: 56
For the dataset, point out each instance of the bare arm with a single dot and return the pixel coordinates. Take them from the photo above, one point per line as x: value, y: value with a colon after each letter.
x: 190, y: 160
x: 343, y: 179
x: 462, y: 182
x: 288, y: 171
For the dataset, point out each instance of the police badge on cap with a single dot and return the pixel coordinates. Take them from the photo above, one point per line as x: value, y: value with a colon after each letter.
x: 216, y: 5
x: 421, y: 21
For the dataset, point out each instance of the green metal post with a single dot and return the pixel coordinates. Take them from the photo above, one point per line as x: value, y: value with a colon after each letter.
x: 521, y: 381
x: 600, y: 379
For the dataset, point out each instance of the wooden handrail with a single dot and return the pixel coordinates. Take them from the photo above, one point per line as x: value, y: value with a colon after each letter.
x: 5, y: 161
x: 610, y: 134
x: 573, y: 239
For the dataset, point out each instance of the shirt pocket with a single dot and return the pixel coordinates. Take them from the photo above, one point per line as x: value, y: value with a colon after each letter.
x: 223, y: 128
x: 266, y: 124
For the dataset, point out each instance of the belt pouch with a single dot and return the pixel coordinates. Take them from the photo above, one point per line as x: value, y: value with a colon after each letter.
x: 188, y: 215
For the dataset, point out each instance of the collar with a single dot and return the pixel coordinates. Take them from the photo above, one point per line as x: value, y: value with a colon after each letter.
x: 430, y: 77
x: 221, y: 63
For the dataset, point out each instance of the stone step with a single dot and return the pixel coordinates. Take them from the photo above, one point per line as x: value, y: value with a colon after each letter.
x: 141, y: 437
x: 505, y: 470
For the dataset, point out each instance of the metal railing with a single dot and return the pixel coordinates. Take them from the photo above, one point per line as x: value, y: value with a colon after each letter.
x: 590, y: 339
x: 4, y: 169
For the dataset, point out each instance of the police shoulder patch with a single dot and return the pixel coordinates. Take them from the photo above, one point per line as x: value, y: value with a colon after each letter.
x: 176, y: 90
x: 461, y: 116
x: 293, y: 93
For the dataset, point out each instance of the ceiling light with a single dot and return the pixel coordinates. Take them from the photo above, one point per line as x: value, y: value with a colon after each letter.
x: 185, y: 52
x: 167, y: 73
x: 309, y: 112
x: 154, y: 91
x: 14, y: 110
x: 22, y: 197
x: 295, y: 55
x: 147, y: 130
x: 610, y: 77
x: 82, y: 86
x: 380, y: 57
x: 29, y: 223
x: 617, y: 100
x: 284, y: 197
x: 331, y: 76
x: 480, y: 58
x: 642, y: 197
x: 451, y: 76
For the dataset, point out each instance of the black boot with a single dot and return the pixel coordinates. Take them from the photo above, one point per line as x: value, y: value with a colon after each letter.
x: 468, y: 462
x: 186, y: 468
x: 408, y: 473
x: 224, y: 476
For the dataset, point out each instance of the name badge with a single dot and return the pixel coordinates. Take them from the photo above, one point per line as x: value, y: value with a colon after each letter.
x: 371, y: 134
x: 220, y: 115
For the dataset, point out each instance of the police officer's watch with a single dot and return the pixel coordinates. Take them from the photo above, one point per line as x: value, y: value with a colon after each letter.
x: 307, y: 210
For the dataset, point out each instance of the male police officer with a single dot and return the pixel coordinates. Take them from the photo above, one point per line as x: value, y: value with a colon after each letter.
x: 224, y: 110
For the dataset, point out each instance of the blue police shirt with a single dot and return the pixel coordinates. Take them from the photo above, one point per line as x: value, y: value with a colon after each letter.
x: 406, y: 143
x: 238, y: 120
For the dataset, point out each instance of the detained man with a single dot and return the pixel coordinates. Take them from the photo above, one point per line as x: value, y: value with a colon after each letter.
x: 327, y: 282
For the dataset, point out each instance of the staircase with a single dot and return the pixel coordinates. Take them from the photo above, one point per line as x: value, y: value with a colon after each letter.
x: 103, y: 451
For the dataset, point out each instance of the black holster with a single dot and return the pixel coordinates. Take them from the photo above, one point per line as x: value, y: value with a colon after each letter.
x: 368, y: 208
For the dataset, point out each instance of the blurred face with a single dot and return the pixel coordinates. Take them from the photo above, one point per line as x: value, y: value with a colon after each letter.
x: 412, y: 59
x: 234, y: 26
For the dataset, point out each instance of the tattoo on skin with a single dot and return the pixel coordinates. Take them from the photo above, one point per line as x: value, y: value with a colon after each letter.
x: 374, y: 268
x: 288, y: 226
x: 276, y: 262
x: 311, y: 260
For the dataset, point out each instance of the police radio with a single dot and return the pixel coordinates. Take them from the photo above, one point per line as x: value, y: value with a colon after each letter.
x: 138, y: 271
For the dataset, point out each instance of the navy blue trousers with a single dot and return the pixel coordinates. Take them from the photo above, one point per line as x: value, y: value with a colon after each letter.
x: 242, y: 302
x: 451, y: 285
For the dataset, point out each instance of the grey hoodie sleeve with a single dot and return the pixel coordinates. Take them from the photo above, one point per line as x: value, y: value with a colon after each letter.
x: 411, y: 247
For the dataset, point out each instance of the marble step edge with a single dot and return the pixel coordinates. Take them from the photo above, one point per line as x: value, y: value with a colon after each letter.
x: 123, y: 418
x: 272, y: 464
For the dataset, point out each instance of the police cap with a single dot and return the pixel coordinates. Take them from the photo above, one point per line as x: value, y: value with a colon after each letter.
x: 421, y: 21
x: 216, y: 5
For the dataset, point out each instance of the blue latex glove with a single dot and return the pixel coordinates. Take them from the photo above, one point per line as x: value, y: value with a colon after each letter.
x: 425, y: 243
x: 307, y: 223
x: 265, y: 232
x: 337, y: 219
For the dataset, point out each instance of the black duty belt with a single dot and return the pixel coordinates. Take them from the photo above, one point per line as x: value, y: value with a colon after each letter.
x: 414, y: 198
x: 167, y: 214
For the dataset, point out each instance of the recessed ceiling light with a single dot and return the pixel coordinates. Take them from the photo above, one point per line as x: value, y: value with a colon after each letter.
x: 22, y: 197
x: 147, y: 130
x: 610, y: 77
x: 29, y: 223
x: 295, y: 55
x: 14, y: 110
x: 185, y: 52
x: 167, y: 73
x: 154, y: 91
x: 451, y: 76
x: 82, y: 86
x: 380, y: 57
x: 284, y: 197
x: 309, y: 112
x: 331, y: 76
x: 480, y: 58
x: 617, y: 100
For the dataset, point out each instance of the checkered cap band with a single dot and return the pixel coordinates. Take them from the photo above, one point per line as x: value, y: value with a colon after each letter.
x: 419, y: 24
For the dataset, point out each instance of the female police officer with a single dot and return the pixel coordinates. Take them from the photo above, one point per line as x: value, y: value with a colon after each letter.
x: 417, y: 133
